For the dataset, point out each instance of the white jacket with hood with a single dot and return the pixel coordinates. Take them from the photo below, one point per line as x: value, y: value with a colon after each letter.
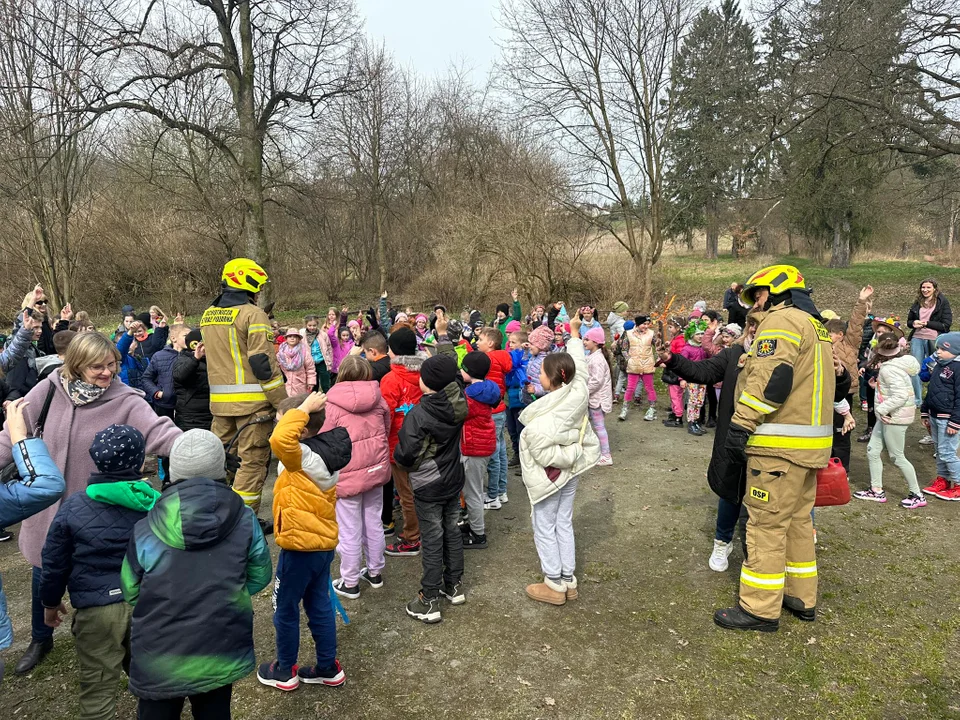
x: 895, y: 398
x: 557, y: 433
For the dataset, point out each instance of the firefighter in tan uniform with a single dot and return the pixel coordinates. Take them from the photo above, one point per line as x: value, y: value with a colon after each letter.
x: 783, y: 424
x: 245, y: 383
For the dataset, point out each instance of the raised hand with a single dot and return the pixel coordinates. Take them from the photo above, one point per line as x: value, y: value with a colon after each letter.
x: 66, y: 313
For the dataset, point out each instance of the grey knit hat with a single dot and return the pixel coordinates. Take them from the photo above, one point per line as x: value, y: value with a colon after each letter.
x: 197, y: 454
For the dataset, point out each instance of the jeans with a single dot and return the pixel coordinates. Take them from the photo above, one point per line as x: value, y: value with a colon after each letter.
x: 441, y: 545
x: 921, y: 350
x: 361, y: 534
x: 38, y: 630
x: 497, y: 467
x: 948, y: 464
x: 552, y: 520
x: 514, y: 428
x: 304, y: 576
x: 727, y: 516
x: 212, y: 705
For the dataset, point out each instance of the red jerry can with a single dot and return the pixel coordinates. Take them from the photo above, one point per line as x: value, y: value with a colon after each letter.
x: 833, y: 487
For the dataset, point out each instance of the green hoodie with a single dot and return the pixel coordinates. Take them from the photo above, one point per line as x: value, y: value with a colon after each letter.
x: 132, y: 494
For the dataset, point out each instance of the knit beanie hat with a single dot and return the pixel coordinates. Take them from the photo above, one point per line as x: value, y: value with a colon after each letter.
x: 503, y: 308
x: 403, y: 341
x: 194, y: 338
x: 700, y: 305
x: 950, y: 342
x: 119, y: 450
x: 596, y: 334
x: 696, y: 314
x: 439, y: 371
x: 513, y: 326
x: 629, y: 325
x: 620, y: 307
x: 144, y: 317
x: 476, y: 365
x: 541, y: 338
x: 733, y: 330
x: 197, y: 454
x: 641, y: 319
x: 401, y: 317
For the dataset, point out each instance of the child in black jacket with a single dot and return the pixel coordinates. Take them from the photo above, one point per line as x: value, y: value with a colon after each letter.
x: 84, y: 552
x: 191, y: 385
x: 429, y: 447
x: 941, y: 416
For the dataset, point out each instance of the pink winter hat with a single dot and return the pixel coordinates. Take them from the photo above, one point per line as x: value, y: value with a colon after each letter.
x: 596, y: 334
x: 513, y: 326
x: 696, y: 314
x: 541, y: 337
x: 353, y: 324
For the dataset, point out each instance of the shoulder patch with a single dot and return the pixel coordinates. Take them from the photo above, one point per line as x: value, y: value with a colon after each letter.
x: 219, y: 316
x: 822, y: 333
x: 766, y: 347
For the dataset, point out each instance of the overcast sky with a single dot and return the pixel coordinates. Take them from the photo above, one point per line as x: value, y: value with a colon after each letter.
x: 432, y: 35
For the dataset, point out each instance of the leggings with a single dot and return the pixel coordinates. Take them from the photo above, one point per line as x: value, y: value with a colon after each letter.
x: 696, y: 395
x: 633, y: 380
x: 600, y: 428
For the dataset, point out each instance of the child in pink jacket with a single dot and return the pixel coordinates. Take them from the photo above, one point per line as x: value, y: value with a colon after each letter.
x: 355, y: 404
x: 600, y: 386
x: 295, y: 360
x: 342, y: 342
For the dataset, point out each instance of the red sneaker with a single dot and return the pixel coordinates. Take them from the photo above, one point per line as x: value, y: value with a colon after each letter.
x: 402, y: 548
x: 951, y: 494
x: 938, y: 486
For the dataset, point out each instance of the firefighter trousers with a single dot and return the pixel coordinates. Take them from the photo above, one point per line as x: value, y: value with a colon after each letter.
x: 253, y: 447
x: 781, y: 558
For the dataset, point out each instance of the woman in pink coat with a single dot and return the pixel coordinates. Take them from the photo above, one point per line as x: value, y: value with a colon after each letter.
x: 295, y: 360
x: 355, y: 403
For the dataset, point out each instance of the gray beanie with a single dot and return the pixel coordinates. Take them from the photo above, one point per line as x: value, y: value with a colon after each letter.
x: 197, y: 454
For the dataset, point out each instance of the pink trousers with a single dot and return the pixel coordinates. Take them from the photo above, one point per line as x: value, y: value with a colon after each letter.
x: 360, y: 530
x: 633, y: 379
x: 676, y: 400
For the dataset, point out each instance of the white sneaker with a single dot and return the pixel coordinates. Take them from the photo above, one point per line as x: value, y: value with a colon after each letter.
x: 926, y: 440
x: 504, y: 499
x: 651, y: 414
x: 718, y: 558
x: 494, y: 504
x: 605, y: 460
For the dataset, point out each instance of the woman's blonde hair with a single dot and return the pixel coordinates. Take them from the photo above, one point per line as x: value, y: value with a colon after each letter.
x: 87, y: 349
x: 353, y: 368
x: 28, y: 300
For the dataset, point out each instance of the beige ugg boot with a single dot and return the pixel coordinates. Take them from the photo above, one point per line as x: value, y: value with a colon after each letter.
x: 572, y: 593
x: 548, y: 592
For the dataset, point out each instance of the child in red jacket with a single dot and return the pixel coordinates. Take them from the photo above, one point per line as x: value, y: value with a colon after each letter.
x: 490, y: 342
x: 478, y: 443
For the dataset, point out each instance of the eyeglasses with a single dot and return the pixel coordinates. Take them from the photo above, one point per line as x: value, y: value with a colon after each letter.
x: 40, y: 302
x: 112, y: 367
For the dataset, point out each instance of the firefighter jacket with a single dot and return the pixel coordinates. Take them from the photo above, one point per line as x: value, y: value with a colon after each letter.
x: 785, y: 392
x: 241, y: 366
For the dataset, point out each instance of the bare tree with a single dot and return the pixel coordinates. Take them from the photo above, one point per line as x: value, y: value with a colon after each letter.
x: 45, y: 155
x: 595, y: 77
x: 268, y: 68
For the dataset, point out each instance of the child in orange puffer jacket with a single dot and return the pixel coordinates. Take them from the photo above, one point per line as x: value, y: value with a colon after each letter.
x: 305, y: 527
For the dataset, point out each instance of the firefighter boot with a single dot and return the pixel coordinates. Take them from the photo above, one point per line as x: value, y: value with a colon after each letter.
x: 736, y: 618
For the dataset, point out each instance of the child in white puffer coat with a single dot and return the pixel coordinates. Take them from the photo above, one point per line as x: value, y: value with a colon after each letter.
x: 896, y: 411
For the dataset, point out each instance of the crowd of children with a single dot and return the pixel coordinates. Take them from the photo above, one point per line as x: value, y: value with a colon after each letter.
x: 393, y: 407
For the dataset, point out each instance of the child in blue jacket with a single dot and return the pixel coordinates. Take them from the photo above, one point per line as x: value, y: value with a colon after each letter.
x: 941, y: 416
x: 515, y: 381
x: 40, y: 485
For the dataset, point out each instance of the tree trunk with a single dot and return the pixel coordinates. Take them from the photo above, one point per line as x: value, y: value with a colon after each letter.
x: 51, y: 283
x: 251, y: 152
x: 713, y: 230
x: 951, y: 225
x: 381, y: 249
x: 840, y: 251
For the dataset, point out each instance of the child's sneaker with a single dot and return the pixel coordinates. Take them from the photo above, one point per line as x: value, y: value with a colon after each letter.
x: 913, y: 501
x: 281, y: 678
x: 605, y: 460
x: 341, y: 588
x: 425, y: 610
x: 504, y: 499
x: 950, y: 494
x: 472, y: 541
x: 492, y: 504
x: 388, y: 529
x: 871, y: 494
x: 938, y: 485
x: 864, y: 405
x: 454, y: 594
x: 402, y: 548
x: 719, y: 557
x: 926, y: 440
x: 332, y: 676
x: 651, y: 414
x: 376, y: 581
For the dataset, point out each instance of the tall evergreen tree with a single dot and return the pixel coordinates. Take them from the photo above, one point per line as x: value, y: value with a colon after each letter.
x: 716, y: 83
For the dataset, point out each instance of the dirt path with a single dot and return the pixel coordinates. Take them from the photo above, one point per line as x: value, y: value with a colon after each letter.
x: 640, y: 641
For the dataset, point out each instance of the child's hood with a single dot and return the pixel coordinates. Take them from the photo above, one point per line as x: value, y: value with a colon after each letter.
x: 449, y: 405
x: 905, y: 363
x: 324, y: 455
x: 485, y: 391
x: 355, y: 396
x: 195, y: 514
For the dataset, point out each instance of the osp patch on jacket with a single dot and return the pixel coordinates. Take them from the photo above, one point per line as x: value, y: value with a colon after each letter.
x: 766, y: 347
